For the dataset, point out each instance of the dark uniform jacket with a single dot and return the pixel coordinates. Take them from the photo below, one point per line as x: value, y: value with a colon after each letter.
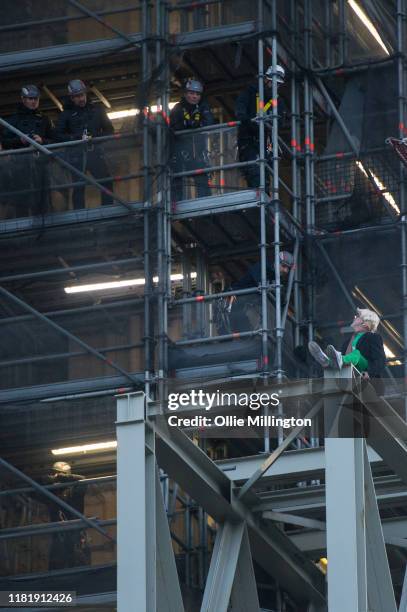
x: 246, y: 108
x: 370, y: 346
x: 253, y: 276
x: 30, y: 122
x: 186, y: 116
x: 72, y: 495
x: 74, y: 120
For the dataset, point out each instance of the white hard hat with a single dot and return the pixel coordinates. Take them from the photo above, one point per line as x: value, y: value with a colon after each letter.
x: 194, y: 85
x: 279, y: 72
x: 61, y: 466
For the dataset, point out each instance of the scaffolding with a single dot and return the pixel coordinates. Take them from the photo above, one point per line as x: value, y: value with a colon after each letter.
x: 247, y: 518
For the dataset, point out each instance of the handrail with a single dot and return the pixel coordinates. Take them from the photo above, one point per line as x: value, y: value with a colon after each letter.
x: 71, y: 143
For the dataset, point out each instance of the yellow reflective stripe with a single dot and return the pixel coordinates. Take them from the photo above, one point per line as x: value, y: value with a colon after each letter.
x: 267, y: 105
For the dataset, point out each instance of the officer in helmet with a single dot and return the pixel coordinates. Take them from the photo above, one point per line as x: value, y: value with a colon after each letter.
x: 28, y: 173
x: 246, y: 109
x: 244, y: 309
x: 189, y: 152
x: 30, y: 120
x: 82, y: 120
x: 67, y: 548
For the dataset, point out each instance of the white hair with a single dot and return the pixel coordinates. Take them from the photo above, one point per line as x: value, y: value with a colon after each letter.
x: 369, y: 318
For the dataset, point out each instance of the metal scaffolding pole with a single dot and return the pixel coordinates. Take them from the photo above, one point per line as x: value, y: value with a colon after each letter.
x: 401, y: 17
x: 343, y: 47
x: 162, y: 216
x: 279, y: 326
x: 263, y: 211
x: 103, y: 22
x: 295, y: 175
x: 309, y: 170
x: 68, y: 334
x: 147, y: 195
x: 263, y: 197
x: 50, y: 154
x: 136, y: 542
x: 60, y: 502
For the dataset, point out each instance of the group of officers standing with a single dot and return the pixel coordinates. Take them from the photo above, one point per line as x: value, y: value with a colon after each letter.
x: 190, y: 152
x: 81, y: 120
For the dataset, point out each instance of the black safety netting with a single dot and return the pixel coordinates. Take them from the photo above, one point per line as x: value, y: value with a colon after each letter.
x: 43, y: 536
x: 357, y: 177
x: 32, y: 25
x: 34, y: 352
x: 360, y: 271
x: 201, y: 163
x: 187, y: 17
x: 36, y: 184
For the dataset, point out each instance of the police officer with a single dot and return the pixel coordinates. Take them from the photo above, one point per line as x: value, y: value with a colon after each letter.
x: 82, y: 120
x: 67, y: 548
x: 242, y: 305
x: 189, y: 152
x: 30, y: 120
x: 246, y: 109
x: 28, y: 172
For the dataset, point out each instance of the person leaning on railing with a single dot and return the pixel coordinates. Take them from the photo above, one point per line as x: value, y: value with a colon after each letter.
x: 82, y: 120
x: 28, y: 172
x: 245, y: 309
x: 247, y: 108
x: 67, y: 548
x: 189, y: 152
x: 364, y: 350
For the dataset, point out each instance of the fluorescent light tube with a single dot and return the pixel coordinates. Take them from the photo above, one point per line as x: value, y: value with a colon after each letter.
x: 130, y: 282
x: 367, y: 23
x: 386, y: 194
x: 85, y: 448
x: 131, y: 112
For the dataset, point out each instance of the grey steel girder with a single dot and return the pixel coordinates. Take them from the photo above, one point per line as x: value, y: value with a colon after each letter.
x: 192, y: 469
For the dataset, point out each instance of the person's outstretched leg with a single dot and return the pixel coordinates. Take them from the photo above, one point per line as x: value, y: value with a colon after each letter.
x: 318, y: 354
x: 335, y: 357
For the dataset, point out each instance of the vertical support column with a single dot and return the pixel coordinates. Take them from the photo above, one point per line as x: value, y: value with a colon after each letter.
x: 401, y: 16
x: 263, y: 197
x: 169, y: 597
x: 278, y: 362
x: 136, y: 478
x: 295, y: 183
x: 201, y: 289
x: 345, y: 512
x: 343, y: 53
x: 403, y: 599
x: 328, y: 32
x: 231, y: 575
x: 345, y: 509
x: 309, y: 166
x: 186, y: 293
x: 163, y: 233
x: 148, y: 288
x: 380, y: 587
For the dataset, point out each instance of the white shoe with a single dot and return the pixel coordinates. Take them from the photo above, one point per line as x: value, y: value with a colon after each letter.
x: 318, y: 354
x: 335, y: 357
